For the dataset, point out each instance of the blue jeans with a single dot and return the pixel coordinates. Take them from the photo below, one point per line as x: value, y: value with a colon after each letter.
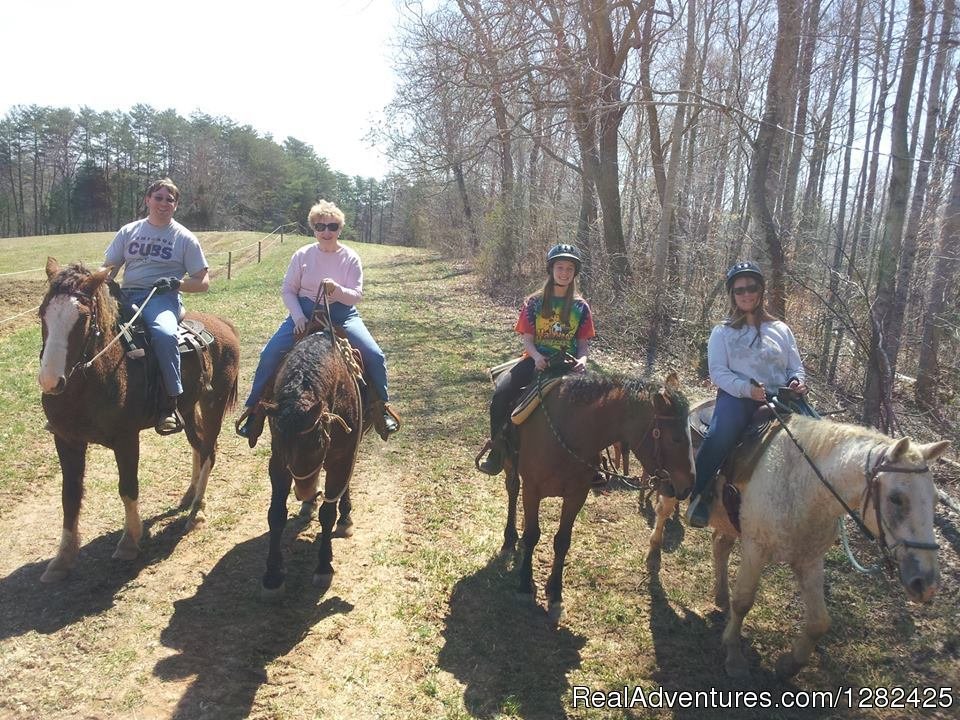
x: 731, y: 416
x: 161, y: 316
x: 347, y: 317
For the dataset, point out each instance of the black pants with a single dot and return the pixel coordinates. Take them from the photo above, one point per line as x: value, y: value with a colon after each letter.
x: 507, y: 391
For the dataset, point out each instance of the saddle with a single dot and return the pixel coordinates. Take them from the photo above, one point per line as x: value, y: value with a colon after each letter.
x: 192, y: 336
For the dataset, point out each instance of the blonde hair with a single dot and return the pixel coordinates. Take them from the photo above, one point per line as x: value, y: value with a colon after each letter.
x: 165, y: 183
x: 325, y: 207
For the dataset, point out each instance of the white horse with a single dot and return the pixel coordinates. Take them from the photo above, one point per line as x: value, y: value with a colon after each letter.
x: 788, y: 515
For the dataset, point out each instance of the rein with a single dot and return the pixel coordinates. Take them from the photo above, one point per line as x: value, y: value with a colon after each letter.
x: 632, y: 481
x: 871, y: 492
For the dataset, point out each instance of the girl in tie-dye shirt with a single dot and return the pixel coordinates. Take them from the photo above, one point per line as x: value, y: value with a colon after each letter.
x: 555, y: 319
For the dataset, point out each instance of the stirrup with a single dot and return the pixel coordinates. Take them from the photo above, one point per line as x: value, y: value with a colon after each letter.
x: 698, y: 511
x: 249, y: 425
x: 169, y: 424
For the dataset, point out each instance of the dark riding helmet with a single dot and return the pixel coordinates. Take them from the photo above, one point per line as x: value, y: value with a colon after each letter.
x: 564, y: 251
x: 745, y: 267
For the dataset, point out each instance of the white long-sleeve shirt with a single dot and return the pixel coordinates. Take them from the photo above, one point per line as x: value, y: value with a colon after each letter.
x: 310, y: 266
x: 772, y: 360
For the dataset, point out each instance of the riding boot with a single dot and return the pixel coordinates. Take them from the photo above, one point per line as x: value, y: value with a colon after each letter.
x: 168, y: 419
x: 493, y: 463
x: 386, y: 421
x: 250, y: 426
x: 698, y: 512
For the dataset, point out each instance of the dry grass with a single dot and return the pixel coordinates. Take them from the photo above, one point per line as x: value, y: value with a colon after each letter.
x: 420, y: 621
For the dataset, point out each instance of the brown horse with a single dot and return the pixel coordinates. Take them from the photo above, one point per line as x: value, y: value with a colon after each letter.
x: 558, y: 446
x: 106, y: 401
x: 316, y: 423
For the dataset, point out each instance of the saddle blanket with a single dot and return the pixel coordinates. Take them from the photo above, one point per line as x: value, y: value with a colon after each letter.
x: 530, y: 400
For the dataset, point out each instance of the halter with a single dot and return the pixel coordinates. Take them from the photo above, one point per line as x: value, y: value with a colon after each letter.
x: 322, y: 420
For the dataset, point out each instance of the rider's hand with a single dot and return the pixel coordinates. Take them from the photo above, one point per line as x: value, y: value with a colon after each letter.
x: 798, y: 387
x: 167, y: 284
x: 758, y: 393
x: 540, y: 361
x: 330, y: 286
x: 299, y: 325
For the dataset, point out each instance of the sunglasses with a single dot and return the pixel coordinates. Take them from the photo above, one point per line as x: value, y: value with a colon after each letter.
x: 746, y: 290
x: 332, y: 227
x: 164, y: 198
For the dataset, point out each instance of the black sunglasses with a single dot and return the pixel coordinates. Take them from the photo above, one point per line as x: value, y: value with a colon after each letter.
x: 746, y: 290
x: 332, y: 227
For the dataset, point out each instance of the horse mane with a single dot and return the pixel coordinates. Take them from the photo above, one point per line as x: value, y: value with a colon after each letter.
x: 819, y: 438
x: 301, y: 383
x: 592, y: 387
x: 72, y: 279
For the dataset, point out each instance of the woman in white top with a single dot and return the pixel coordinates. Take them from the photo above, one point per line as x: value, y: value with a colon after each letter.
x: 338, y: 269
x: 748, y: 352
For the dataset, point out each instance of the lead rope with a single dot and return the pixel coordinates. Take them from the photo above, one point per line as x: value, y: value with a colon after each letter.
x: 123, y: 328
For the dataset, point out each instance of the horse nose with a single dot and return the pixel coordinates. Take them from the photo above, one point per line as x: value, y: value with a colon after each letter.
x: 921, y: 589
x: 52, y: 388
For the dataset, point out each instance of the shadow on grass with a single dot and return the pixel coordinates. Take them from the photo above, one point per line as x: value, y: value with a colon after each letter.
x: 29, y: 605
x: 506, y: 653
x: 226, y: 637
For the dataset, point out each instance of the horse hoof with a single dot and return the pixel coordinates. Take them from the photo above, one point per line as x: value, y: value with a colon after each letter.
x: 787, y: 666
x: 186, y: 501
x: 555, y: 612
x: 343, y: 530
x: 196, y: 521
x: 306, y: 511
x: 322, y: 580
x: 271, y: 594
x: 54, y: 574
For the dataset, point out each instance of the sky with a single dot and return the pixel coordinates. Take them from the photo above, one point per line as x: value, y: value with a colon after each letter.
x: 319, y: 71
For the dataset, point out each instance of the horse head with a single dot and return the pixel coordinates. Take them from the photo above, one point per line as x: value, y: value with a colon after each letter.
x: 665, y: 449
x: 75, y: 315
x: 901, y: 490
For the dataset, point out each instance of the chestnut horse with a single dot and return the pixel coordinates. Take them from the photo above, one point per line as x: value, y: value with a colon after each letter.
x: 558, y: 448
x: 789, y: 515
x: 106, y: 401
x: 316, y: 423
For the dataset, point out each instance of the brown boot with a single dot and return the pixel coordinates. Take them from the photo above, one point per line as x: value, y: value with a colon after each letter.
x: 250, y: 426
x: 386, y: 421
x: 168, y: 419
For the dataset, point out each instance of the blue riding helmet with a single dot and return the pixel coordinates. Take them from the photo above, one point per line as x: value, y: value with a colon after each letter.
x: 745, y: 267
x: 564, y: 251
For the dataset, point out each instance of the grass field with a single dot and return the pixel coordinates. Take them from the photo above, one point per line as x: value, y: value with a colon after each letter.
x: 420, y: 621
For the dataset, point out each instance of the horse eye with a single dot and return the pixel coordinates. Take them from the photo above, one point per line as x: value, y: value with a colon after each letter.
x: 896, y: 499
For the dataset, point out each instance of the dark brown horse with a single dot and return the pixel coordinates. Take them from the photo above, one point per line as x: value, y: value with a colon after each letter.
x: 558, y: 447
x: 106, y: 401
x: 316, y: 423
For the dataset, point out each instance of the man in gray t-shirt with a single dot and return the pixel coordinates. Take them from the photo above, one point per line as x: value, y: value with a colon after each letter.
x: 155, y: 253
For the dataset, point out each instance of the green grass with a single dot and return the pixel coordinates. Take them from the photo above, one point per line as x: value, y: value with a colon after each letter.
x: 437, y: 632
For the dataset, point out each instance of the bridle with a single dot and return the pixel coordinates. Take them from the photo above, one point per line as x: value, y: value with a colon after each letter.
x: 872, y: 494
x: 91, y: 334
x: 322, y: 424
x: 660, y: 473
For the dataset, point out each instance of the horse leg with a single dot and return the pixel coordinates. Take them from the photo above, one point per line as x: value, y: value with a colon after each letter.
x: 273, y: 579
x: 512, y: 483
x: 73, y: 460
x: 722, y: 545
x: 344, y: 528
x: 744, y: 593
x: 127, y: 454
x: 526, y: 591
x: 203, y: 440
x: 307, y: 506
x: 816, y: 619
x: 561, y: 544
x: 323, y: 575
x: 664, y: 509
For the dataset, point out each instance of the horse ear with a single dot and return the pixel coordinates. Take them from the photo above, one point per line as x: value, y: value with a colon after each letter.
x: 95, y: 280
x: 672, y: 381
x: 53, y: 267
x: 899, y: 448
x: 933, y: 450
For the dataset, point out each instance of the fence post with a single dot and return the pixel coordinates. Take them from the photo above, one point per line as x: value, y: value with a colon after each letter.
x: 229, y: 262
x: 258, y: 251
x: 281, y: 237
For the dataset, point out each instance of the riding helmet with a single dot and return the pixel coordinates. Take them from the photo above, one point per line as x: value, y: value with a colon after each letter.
x: 564, y: 251
x: 745, y: 267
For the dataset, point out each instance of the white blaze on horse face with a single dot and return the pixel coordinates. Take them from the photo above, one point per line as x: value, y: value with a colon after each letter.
x: 61, y: 315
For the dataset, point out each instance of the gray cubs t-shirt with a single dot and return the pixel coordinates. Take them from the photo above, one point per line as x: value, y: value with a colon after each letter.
x: 149, y: 253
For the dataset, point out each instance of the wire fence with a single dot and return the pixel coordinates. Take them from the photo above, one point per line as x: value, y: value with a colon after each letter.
x: 232, y: 257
